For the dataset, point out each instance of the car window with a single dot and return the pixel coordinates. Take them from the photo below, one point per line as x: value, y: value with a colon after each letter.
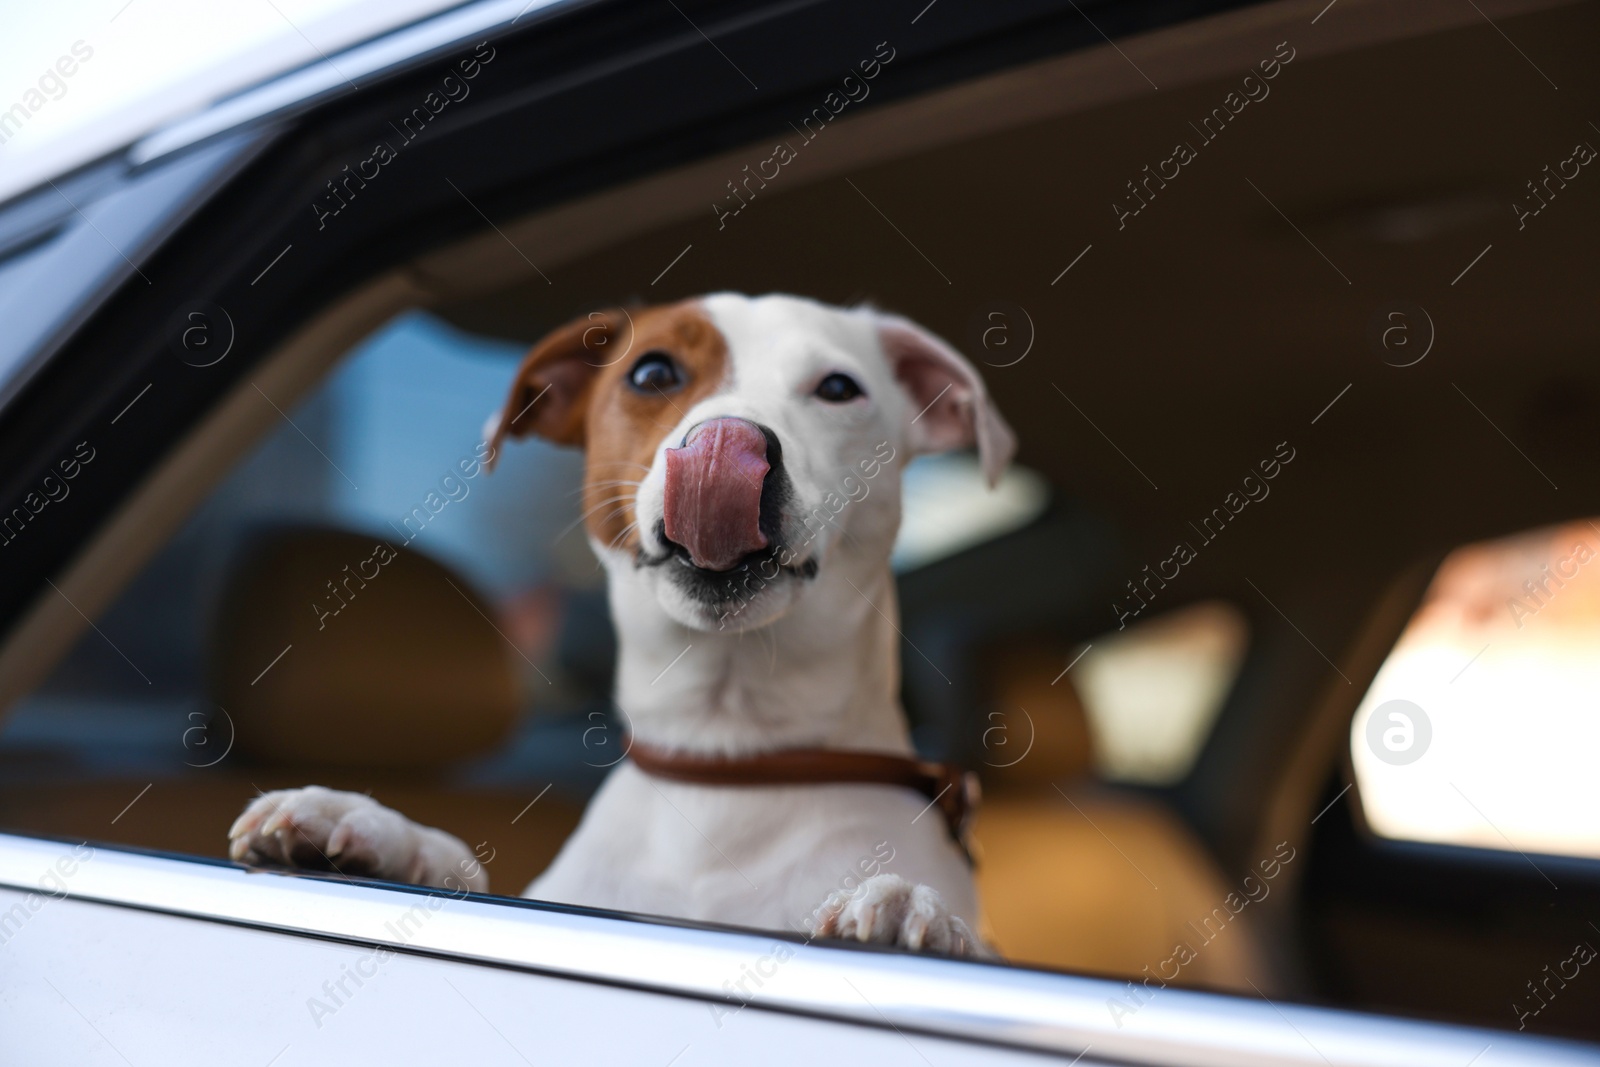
x: 1152, y: 692
x: 384, y: 455
x: 361, y: 603
x: 1133, y: 706
x: 1481, y: 727
x: 948, y: 507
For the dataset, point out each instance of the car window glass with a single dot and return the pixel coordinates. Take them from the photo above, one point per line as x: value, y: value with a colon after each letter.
x: 1480, y: 728
x: 1152, y: 692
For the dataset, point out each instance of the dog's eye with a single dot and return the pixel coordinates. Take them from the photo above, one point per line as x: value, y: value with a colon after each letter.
x: 655, y: 372
x: 837, y: 388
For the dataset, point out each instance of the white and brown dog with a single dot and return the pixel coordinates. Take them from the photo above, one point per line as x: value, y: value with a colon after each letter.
x: 755, y: 446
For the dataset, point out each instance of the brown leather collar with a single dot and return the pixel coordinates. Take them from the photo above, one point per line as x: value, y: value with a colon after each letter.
x: 954, y: 791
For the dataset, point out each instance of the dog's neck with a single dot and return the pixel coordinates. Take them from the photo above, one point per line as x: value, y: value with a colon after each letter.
x: 826, y: 674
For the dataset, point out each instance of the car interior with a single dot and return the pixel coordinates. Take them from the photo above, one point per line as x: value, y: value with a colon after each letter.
x: 1284, y: 464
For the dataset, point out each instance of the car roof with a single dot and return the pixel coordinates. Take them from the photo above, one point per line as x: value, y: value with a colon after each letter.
x: 74, y: 227
x: 255, y: 79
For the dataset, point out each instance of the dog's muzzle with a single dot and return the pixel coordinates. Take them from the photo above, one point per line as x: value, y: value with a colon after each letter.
x: 712, y: 500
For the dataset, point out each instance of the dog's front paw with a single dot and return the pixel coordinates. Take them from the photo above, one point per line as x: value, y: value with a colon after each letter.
x: 888, y: 910
x: 325, y: 829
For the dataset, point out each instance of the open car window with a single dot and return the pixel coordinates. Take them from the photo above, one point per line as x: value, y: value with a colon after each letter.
x: 1480, y: 726
x: 1154, y: 691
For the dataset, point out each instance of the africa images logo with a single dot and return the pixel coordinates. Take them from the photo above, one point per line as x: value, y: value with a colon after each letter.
x: 1398, y: 732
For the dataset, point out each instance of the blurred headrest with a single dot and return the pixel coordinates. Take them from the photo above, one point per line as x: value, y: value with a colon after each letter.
x: 335, y: 648
x: 1037, y: 731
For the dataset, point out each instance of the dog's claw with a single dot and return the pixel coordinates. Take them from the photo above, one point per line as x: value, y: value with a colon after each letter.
x: 915, y: 931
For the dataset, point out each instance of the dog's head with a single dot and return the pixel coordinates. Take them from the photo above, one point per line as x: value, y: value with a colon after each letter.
x: 738, y: 447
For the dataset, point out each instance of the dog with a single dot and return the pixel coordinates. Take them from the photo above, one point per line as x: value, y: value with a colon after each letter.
x: 742, y: 491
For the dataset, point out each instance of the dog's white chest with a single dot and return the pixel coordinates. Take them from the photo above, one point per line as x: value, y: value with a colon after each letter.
x: 748, y: 855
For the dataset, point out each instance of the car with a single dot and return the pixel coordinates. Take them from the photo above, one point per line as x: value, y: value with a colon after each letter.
x: 1273, y: 652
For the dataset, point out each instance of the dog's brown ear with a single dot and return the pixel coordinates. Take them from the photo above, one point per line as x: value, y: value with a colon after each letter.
x: 550, y: 393
x: 955, y: 408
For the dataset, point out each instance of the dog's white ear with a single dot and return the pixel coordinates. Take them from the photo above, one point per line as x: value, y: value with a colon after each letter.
x: 955, y: 408
x: 549, y: 396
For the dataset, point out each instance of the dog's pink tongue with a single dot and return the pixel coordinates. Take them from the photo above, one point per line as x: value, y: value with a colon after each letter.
x: 713, y: 492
